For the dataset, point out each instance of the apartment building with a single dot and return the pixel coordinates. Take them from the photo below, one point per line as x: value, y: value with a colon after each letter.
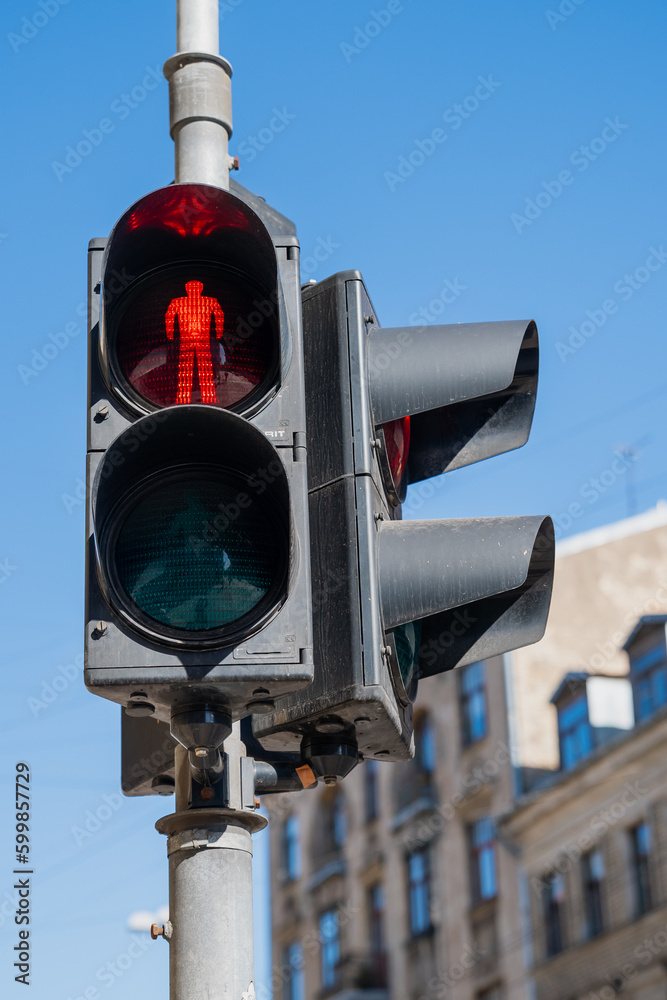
x: 442, y: 877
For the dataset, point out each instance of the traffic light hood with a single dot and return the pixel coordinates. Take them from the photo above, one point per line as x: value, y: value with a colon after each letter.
x: 469, y: 389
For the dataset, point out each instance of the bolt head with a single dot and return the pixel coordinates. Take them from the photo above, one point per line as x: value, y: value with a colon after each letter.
x: 329, y: 726
x: 261, y: 707
x: 139, y: 709
x: 201, y: 751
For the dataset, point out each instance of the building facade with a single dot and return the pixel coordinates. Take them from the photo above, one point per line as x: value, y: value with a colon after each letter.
x: 440, y: 877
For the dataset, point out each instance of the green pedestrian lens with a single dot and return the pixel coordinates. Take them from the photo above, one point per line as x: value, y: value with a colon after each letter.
x: 197, y: 555
x: 407, y: 639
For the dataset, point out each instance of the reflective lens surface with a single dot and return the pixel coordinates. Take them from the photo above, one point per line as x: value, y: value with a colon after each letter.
x: 196, y: 334
x: 197, y: 555
x: 397, y: 443
x: 407, y: 639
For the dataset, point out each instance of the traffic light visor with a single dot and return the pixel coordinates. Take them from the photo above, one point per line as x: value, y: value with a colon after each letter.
x: 191, y: 510
x: 191, y: 302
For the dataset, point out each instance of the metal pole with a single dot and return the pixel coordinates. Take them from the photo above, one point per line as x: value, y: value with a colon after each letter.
x: 210, y: 928
x: 200, y: 97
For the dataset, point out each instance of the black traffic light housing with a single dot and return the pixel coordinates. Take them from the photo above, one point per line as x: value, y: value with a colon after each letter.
x: 198, y: 575
x: 395, y: 601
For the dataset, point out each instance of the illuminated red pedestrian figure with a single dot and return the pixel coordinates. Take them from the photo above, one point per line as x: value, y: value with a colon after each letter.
x: 194, y: 313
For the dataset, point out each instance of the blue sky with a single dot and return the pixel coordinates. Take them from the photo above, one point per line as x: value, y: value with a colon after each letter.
x: 475, y: 160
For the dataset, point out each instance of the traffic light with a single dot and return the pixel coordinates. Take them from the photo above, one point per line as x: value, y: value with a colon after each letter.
x: 198, y: 575
x: 395, y: 601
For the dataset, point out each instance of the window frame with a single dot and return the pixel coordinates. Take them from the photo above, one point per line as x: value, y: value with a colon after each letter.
x: 371, y: 790
x: 553, y: 912
x: 580, y: 724
x: 420, y: 893
x: 476, y: 852
x: 339, y: 820
x: 294, y: 986
x: 647, y: 666
x: 593, y: 891
x: 469, y: 734
x: 377, y: 943
x: 641, y: 868
x: 291, y: 848
x: 330, y: 971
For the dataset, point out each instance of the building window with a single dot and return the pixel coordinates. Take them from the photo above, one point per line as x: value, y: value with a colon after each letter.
x: 592, y: 865
x: 376, y: 911
x: 413, y: 782
x: 293, y: 981
x: 330, y: 944
x: 419, y: 881
x: 641, y: 851
x: 482, y: 850
x: 425, y: 752
x: 371, y: 789
x: 554, y: 897
x: 291, y: 848
x: 328, y: 834
x: 574, y: 731
x: 648, y: 673
x: 472, y: 695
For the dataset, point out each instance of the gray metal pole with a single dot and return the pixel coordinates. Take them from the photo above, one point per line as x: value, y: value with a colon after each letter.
x: 200, y: 97
x: 210, y: 927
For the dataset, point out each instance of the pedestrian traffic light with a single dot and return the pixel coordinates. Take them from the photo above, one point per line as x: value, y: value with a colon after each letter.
x: 395, y: 601
x: 198, y: 576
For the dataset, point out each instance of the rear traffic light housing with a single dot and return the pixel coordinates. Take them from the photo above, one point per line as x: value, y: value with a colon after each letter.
x: 198, y: 576
x: 396, y: 601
